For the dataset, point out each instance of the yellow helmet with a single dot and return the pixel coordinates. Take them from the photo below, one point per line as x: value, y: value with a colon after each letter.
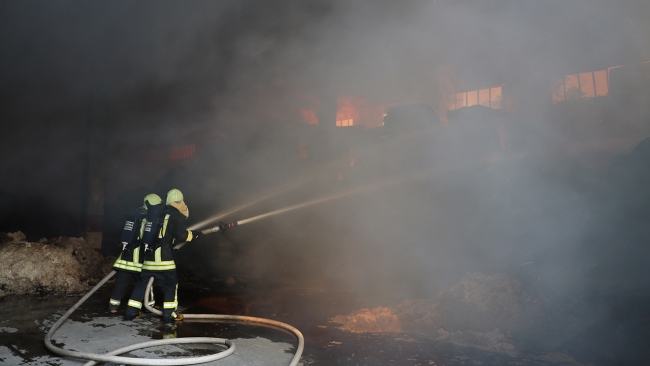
x: 174, y: 196
x: 153, y: 200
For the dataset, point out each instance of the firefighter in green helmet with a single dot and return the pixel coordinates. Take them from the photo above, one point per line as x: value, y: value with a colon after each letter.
x: 159, y: 259
x: 128, y: 265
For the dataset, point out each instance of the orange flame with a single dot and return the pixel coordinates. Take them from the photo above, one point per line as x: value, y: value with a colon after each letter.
x: 309, y: 116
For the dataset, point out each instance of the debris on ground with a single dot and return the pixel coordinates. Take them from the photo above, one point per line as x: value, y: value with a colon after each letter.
x: 62, y: 265
x: 379, y: 319
x: 471, y: 313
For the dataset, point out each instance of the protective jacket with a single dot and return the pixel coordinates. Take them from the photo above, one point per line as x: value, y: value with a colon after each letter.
x: 131, y: 257
x: 129, y: 263
x: 172, y: 232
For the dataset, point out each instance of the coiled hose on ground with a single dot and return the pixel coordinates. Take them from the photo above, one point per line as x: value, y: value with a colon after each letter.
x: 112, y: 356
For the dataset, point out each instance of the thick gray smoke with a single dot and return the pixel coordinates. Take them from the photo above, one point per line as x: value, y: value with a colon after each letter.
x: 160, y: 74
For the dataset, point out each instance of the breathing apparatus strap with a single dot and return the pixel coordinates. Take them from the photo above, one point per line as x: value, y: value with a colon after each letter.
x: 131, y: 227
x: 151, y: 231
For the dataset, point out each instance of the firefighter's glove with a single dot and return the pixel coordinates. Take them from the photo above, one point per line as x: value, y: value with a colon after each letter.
x: 223, y: 226
x: 196, y: 234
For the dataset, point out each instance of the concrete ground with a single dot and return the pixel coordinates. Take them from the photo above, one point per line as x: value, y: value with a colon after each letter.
x: 93, y: 329
x: 26, y: 320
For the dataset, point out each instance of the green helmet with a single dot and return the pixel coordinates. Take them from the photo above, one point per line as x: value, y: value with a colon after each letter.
x: 174, y: 196
x: 153, y: 200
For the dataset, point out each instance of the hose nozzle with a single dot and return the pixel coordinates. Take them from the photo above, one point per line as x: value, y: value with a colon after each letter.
x: 221, y: 227
x: 211, y: 230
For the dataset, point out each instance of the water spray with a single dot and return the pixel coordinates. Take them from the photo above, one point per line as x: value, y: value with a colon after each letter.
x: 302, y: 179
x: 295, y: 183
x: 223, y: 226
x: 275, y: 212
x: 388, y: 182
x: 401, y: 139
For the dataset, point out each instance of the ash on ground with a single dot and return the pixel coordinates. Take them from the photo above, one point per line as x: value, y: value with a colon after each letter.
x: 485, y: 311
x: 62, y: 265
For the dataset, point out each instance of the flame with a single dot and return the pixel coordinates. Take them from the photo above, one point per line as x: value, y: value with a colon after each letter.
x: 353, y: 111
x: 348, y: 108
x: 309, y: 116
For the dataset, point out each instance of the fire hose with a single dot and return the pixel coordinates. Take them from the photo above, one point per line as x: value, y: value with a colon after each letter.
x: 112, y: 356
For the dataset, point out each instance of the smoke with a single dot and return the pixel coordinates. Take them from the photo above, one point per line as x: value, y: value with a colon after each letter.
x: 236, y: 74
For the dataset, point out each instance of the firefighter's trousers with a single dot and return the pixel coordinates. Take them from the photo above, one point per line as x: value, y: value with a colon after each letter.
x: 168, y: 283
x: 122, y: 281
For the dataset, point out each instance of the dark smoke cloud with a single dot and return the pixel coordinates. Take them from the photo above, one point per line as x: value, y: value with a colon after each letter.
x: 62, y: 50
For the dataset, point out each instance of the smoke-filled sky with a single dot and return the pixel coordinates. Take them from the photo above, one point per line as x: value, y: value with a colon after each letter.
x: 57, y: 52
x: 210, y: 58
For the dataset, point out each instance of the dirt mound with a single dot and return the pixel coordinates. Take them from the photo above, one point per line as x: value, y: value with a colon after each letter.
x: 61, y: 265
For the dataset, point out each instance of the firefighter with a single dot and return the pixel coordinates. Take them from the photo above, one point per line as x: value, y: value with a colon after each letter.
x: 159, y: 259
x: 129, y: 263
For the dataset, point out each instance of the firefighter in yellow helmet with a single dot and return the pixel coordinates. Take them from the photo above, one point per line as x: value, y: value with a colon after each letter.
x: 129, y: 263
x: 159, y: 259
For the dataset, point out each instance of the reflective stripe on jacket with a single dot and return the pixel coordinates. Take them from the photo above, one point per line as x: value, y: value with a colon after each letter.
x: 133, y: 265
x: 130, y: 259
x: 173, y: 231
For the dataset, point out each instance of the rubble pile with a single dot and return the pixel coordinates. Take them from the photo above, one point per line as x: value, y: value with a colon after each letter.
x: 61, y: 265
x: 474, y: 312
